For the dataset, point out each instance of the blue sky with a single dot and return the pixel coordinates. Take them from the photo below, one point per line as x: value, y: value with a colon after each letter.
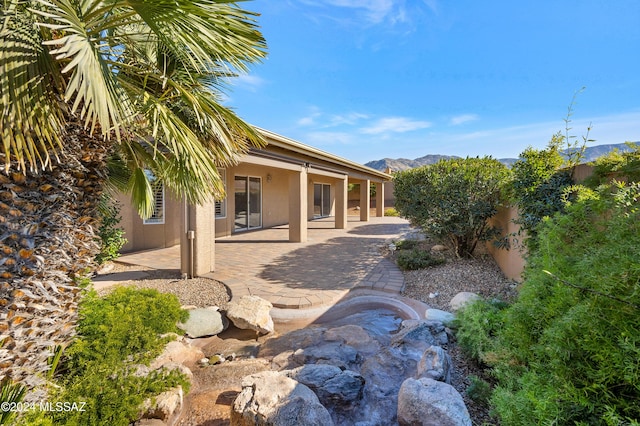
x: 368, y: 79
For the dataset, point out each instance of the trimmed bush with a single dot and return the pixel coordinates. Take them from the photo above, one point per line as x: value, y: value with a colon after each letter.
x: 410, y: 260
x: 452, y: 200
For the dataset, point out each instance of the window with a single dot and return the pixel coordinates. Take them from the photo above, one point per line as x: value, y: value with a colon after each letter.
x: 157, y: 218
x: 221, y: 205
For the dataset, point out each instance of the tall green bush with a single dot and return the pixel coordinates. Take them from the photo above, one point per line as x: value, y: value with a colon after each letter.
x: 452, y: 200
x: 538, y: 184
x: 616, y: 165
x: 570, y: 345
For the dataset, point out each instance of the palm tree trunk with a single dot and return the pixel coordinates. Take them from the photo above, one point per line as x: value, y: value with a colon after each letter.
x: 48, y: 223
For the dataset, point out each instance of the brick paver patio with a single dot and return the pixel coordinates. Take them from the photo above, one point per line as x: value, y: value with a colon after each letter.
x: 300, y: 275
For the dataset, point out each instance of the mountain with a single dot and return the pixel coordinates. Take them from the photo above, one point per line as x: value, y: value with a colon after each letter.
x: 399, y: 164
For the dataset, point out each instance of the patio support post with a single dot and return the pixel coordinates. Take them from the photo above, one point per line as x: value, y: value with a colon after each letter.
x: 298, y: 206
x: 379, y: 199
x: 365, y: 201
x: 197, y: 241
x: 342, y: 189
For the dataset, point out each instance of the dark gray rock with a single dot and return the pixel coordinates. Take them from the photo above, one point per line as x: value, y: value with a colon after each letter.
x: 332, y: 385
x: 435, y: 364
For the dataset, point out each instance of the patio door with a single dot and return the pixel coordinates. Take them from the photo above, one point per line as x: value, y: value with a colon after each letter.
x: 321, y: 200
x: 248, y: 203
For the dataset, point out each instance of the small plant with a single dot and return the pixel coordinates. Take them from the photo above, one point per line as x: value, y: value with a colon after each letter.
x: 110, y: 233
x: 11, y: 394
x: 410, y: 260
x: 479, y: 390
x: 477, y: 326
x: 391, y: 212
x: 407, y: 244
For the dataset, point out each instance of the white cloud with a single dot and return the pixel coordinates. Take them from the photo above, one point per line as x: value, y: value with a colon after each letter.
x: 248, y: 81
x: 372, y: 11
x: 395, y: 125
x: 348, y: 119
x: 322, y: 120
x: 464, y: 118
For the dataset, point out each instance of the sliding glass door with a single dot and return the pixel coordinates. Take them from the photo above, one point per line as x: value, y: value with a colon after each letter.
x: 248, y: 203
x: 321, y: 200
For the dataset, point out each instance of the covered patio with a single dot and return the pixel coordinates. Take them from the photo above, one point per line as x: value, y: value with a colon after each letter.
x: 299, y: 275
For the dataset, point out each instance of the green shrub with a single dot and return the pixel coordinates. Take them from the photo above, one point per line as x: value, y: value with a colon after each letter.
x: 616, y: 165
x: 570, y: 344
x: 479, y: 390
x: 477, y: 326
x: 538, y: 184
x: 410, y: 260
x: 391, y: 212
x: 452, y: 200
x: 115, y: 334
x: 110, y: 232
x: 407, y: 244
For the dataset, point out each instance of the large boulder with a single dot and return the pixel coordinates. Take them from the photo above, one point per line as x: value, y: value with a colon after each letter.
x: 333, y: 386
x: 444, y: 317
x: 461, y: 299
x: 435, y: 364
x: 428, y: 402
x: 251, y: 313
x: 204, y: 322
x: 332, y: 353
x: 269, y: 398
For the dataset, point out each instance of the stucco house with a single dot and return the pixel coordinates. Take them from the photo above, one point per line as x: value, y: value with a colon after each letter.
x: 285, y: 182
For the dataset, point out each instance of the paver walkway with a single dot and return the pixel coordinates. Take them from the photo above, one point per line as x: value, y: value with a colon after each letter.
x: 300, y: 275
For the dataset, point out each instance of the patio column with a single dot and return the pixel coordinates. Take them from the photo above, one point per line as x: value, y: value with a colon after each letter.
x: 379, y: 199
x: 365, y: 201
x: 298, y: 206
x: 197, y: 240
x: 342, y: 188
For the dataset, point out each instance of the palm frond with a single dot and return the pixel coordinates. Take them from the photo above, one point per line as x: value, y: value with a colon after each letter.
x: 31, y: 121
x: 92, y: 86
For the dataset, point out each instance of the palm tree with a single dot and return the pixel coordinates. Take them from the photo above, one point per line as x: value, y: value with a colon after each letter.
x: 85, y: 81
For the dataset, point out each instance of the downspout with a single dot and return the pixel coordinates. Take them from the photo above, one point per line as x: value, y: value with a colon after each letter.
x: 191, y: 235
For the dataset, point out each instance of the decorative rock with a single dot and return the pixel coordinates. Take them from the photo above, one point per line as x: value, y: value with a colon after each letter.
x: 332, y: 353
x: 354, y: 336
x: 435, y: 364
x: 441, y: 316
x: 269, y: 398
x: 416, y: 336
x: 216, y: 359
x: 178, y: 353
x: 439, y: 248
x: 427, y: 402
x: 333, y: 386
x: 461, y: 299
x: 204, y: 322
x: 251, y: 313
x: 165, y: 405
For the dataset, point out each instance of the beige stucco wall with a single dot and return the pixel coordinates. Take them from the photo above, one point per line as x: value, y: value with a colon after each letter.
x: 511, y: 261
x: 145, y: 237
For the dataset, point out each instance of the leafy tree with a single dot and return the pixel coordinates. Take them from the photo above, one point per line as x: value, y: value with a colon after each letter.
x: 452, y: 200
x: 80, y: 81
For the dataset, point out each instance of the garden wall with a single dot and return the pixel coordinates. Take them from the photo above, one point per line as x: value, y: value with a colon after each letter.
x: 511, y: 261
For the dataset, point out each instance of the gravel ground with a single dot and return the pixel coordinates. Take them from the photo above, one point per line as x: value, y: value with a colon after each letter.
x: 200, y: 292
x: 434, y: 286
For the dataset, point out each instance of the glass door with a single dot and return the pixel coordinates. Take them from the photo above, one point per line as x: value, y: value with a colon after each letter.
x: 248, y: 203
x: 321, y: 200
